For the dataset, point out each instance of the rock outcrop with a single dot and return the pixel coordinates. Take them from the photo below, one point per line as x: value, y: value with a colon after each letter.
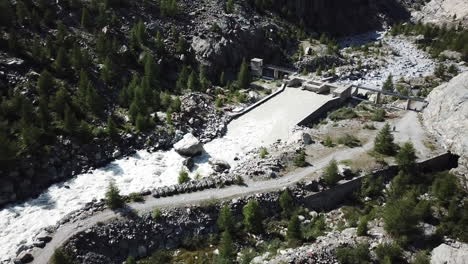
x: 455, y: 253
x: 448, y: 12
x: 189, y: 146
x: 447, y: 117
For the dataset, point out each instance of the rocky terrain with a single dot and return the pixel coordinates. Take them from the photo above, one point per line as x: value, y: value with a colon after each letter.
x: 447, y: 117
x: 449, y: 12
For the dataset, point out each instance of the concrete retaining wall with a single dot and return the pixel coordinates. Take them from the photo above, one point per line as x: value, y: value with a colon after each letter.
x: 251, y: 107
x: 321, y: 112
x: 331, y: 198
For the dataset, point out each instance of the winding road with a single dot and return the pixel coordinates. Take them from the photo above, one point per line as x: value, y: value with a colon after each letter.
x: 66, y: 231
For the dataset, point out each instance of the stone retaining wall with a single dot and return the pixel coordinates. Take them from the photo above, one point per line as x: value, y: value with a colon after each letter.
x: 321, y: 112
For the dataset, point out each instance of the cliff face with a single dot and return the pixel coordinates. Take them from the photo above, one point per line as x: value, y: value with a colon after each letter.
x: 341, y: 17
x: 447, y: 117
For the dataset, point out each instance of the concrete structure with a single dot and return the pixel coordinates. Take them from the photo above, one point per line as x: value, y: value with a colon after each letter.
x: 380, y: 92
x: 337, y: 91
x: 256, y: 67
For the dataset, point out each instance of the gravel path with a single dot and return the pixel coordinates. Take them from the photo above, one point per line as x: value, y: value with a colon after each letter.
x: 66, y: 231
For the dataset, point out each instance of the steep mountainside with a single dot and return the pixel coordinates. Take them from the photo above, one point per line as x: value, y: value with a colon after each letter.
x: 81, y: 81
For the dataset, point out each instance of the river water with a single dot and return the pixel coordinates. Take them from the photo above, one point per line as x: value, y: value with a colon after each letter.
x: 262, y: 126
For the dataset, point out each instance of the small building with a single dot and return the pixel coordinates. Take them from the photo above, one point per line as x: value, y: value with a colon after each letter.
x: 256, y: 67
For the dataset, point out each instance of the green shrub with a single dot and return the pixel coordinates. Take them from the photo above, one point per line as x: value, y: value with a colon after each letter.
x: 391, y: 252
x: 379, y: 115
x: 253, y: 217
x: 328, y: 142
x: 314, y: 229
x: 263, y: 152
x: 157, y: 214
x: 349, y: 141
x: 60, y: 256
x: 445, y: 187
x: 421, y: 257
x: 113, y: 198
x: 362, y: 227
x: 247, y: 255
x: 294, y: 233
x: 331, y: 175
x: 183, y: 177
x: 135, y: 197
x: 286, y: 203
x: 343, y: 113
x: 300, y: 160
x: 358, y: 255
x: 239, y: 180
x: 130, y: 260
x: 369, y: 127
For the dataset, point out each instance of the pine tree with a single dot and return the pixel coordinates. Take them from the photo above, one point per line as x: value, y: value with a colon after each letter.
x: 93, y: 100
x: 193, y: 83
x: 222, y: 79
x: 30, y: 135
x: 107, y: 71
x: 112, y: 197
x: 77, y: 58
x: 59, y: 101
x: 182, y: 79
x: 331, y: 175
x: 85, y: 18
x: 406, y: 157
x: 226, y: 249
x: 151, y: 71
x: 225, y: 220
x: 45, y: 84
x: 294, y: 233
x: 229, y: 6
x: 383, y: 143
x: 243, y: 77
x: 159, y: 44
x: 141, y: 123
x: 61, y: 33
x: 388, y: 84
x: 112, y: 129
x: 181, y: 45
x: 6, y: 18
x: 286, y: 203
x: 8, y: 148
x: 253, y: 217
x: 61, y: 62
x: 204, y: 82
x: 70, y: 123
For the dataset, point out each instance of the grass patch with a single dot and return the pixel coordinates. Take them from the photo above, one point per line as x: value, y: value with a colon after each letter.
x: 349, y: 141
x: 342, y: 114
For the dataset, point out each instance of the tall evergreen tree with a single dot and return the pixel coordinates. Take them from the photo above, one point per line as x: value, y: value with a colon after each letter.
x: 151, y: 71
x: 243, y: 77
x: 182, y: 79
x: 93, y: 100
x: 61, y: 62
x: 286, y: 203
x: 8, y: 147
x: 331, y: 175
x: 383, y: 143
x: 107, y: 71
x: 112, y: 129
x: 226, y: 220
x: 406, y: 157
x: 226, y: 250
x: 45, y: 84
x: 59, y: 101
x: 193, y: 84
x: 294, y: 233
x: 253, y: 217
x: 70, y: 123
x: 113, y: 198
x: 388, y: 84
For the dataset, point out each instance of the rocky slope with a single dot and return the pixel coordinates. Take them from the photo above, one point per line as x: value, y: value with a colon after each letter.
x: 449, y: 12
x: 447, y: 117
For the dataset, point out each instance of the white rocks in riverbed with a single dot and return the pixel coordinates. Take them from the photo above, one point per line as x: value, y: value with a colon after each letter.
x: 189, y: 145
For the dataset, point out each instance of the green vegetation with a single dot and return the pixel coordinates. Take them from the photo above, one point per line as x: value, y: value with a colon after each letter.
x: 328, y: 142
x: 421, y: 257
x: 388, y: 84
x: 358, y: 255
x: 253, y: 217
x: 300, y: 159
x: 136, y: 197
x: 226, y: 220
x: 243, y: 77
x: 61, y: 256
x: 113, y: 198
x: 436, y: 39
x: 294, y: 233
x: 183, y: 177
x: 342, y: 114
x: 389, y: 253
x: 314, y: 229
x: 362, y: 227
x: 378, y: 115
x: 383, y: 143
x: 349, y: 141
x: 331, y: 175
x: 286, y: 203
x: 263, y: 152
x: 157, y: 214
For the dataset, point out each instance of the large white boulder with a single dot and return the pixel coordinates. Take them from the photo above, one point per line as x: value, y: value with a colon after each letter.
x: 446, y: 116
x: 456, y: 253
x: 189, y: 145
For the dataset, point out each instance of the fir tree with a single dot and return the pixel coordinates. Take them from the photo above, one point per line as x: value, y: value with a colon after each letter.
x: 112, y: 197
x: 182, y: 79
x: 383, y: 143
x: 112, y: 129
x: 107, y: 71
x: 93, y: 100
x: 331, y: 175
x: 61, y: 62
x: 388, y: 84
x: 252, y: 217
x: 225, y: 220
x: 6, y: 18
x: 294, y: 233
x: 243, y: 77
x: 406, y: 157
x: 193, y: 83
x: 151, y: 71
x: 204, y: 82
x: 85, y: 18
x: 70, y: 123
x: 59, y: 101
x: 45, y: 84
x: 286, y: 203
x: 141, y: 123
x: 226, y: 249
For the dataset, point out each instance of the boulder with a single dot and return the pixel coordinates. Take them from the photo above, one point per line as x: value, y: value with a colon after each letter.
x: 24, y: 257
x: 44, y: 236
x: 189, y: 163
x: 219, y: 165
x: 456, y: 253
x: 189, y: 145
